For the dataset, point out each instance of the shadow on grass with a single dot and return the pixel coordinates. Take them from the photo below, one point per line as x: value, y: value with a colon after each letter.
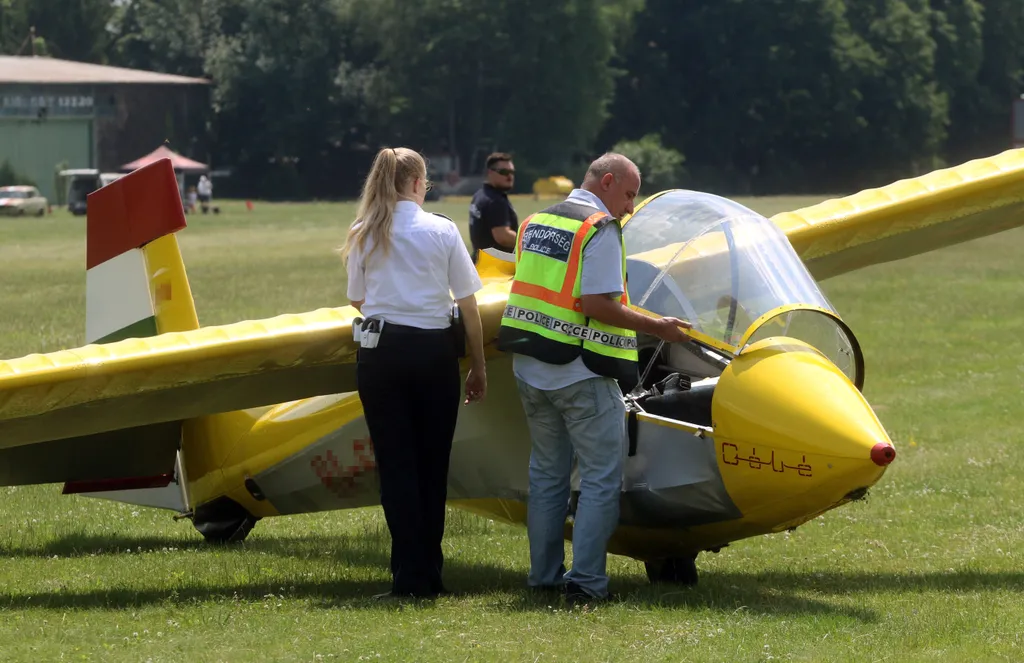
x: 500, y: 587
x: 477, y: 587
x: 808, y: 593
x: 87, y: 545
x: 834, y: 583
x: 367, y: 549
x: 816, y: 592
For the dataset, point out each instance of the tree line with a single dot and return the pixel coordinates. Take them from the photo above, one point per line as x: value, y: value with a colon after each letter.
x: 735, y: 96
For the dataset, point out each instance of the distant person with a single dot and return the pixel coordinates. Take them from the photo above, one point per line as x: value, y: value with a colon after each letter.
x: 492, y: 219
x: 190, y: 200
x: 405, y: 267
x: 205, y: 190
x: 573, y: 339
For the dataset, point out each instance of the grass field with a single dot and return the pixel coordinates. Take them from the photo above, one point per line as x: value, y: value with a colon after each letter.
x: 929, y: 567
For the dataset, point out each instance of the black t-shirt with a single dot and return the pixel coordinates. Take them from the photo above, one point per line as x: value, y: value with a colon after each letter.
x: 489, y: 209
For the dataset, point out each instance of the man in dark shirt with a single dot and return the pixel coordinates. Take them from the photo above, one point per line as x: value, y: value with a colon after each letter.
x: 492, y: 219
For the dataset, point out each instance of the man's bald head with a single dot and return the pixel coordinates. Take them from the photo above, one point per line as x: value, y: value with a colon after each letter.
x: 616, y: 164
x: 615, y: 180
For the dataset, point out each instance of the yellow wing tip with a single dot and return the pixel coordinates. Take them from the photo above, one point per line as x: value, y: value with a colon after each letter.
x: 322, y: 319
x: 977, y: 172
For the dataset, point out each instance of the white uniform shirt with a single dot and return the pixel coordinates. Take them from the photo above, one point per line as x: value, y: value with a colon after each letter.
x: 413, y: 283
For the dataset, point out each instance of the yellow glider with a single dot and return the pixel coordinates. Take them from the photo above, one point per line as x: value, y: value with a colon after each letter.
x: 755, y: 426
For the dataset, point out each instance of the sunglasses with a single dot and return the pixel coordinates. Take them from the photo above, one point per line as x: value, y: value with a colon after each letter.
x: 504, y: 171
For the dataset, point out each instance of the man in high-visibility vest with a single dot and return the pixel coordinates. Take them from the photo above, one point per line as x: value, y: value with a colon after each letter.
x: 575, y: 350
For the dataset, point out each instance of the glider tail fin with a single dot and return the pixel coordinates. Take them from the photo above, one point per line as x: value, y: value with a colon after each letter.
x: 136, y: 287
x: 136, y: 284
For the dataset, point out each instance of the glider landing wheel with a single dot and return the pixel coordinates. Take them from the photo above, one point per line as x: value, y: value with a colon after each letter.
x: 678, y: 570
x: 223, y: 520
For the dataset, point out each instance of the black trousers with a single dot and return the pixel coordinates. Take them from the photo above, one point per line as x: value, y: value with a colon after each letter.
x: 410, y: 388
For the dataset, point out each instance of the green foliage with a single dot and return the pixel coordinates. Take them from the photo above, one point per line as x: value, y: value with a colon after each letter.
x: 68, y: 30
x: 275, y: 62
x: 473, y: 76
x: 981, y: 107
x: 163, y: 35
x: 957, y: 28
x: 760, y: 95
x: 905, y: 110
x: 765, y: 94
x: 661, y: 167
x: 14, y: 25
x: 10, y: 177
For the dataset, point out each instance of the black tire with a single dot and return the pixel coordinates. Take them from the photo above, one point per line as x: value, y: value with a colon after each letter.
x: 223, y: 521
x: 225, y: 533
x: 676, y: 570
x: 41, y: 212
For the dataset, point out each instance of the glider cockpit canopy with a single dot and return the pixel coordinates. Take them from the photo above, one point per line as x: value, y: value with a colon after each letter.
x: 733, y: 275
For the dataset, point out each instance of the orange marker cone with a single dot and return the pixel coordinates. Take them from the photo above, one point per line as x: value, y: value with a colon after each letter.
x: 248, y: 205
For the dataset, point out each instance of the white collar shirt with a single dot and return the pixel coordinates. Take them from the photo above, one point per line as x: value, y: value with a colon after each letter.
x: 415, y: 281
x: 587, y: 198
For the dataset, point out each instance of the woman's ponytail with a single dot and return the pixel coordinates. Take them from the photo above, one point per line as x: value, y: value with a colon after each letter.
x: 392, y: 171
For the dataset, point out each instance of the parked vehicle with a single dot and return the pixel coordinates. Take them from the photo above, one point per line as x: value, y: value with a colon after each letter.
x: 21, y: 201
x: 81, y: 182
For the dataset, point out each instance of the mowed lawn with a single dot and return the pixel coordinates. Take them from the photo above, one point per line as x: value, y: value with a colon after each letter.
x: 929, y: 567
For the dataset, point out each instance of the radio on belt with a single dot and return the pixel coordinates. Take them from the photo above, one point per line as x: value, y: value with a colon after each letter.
x: 367, y: 331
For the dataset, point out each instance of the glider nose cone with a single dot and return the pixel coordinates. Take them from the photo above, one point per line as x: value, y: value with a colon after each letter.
x: 883, y: 454
x: 783, y: 394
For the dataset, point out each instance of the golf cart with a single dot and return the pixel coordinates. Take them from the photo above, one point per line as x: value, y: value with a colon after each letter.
x: 81, y: 182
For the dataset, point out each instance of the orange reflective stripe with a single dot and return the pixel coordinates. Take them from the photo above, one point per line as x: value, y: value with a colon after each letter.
x: 577, y: 252
x: 519, y: 238
x: 563, y: 298
x: 545, y: 295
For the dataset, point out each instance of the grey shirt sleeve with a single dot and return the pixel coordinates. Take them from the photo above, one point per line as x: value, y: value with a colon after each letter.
x: 602, y: 264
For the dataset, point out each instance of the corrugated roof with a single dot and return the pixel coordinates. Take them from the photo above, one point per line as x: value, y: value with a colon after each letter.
x: 41, y: 70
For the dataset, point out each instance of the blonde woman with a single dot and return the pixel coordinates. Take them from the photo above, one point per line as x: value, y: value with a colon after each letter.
x: 405, y: 267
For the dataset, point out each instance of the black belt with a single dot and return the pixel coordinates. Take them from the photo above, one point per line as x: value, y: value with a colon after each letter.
x: 405, y: 329
x: 455, y: 332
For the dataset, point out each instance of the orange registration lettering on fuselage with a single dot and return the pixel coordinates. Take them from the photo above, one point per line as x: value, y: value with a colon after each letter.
x: 340, y: 478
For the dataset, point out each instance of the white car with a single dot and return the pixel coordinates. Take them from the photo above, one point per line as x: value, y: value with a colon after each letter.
x: 21, y: 201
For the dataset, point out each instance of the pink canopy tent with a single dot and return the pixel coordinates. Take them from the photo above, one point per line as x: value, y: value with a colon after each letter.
x: 181, y: 164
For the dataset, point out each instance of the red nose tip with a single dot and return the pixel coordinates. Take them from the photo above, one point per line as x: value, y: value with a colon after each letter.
x: 883, y: 454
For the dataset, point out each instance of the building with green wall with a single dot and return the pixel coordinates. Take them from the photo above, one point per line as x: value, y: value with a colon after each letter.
x: 58, y: 114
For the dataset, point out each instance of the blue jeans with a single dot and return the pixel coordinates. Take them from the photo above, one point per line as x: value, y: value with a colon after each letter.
x: 587, y: 417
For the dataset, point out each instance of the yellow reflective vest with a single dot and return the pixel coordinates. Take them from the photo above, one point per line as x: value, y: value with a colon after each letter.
x: 544, y: 315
